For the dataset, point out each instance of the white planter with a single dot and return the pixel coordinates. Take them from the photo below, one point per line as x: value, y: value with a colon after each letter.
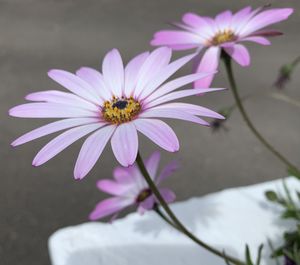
x: 228, y: 220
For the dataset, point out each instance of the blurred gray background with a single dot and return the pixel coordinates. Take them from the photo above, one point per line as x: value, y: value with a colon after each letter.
x: 37, y: 35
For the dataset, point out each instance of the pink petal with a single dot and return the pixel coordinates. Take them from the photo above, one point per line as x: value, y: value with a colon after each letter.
x: 266, y: 33
x: 205, y: 27
x: 239, y: 53
x: 257, y: 39
x: 75, y: 84
x: 91, y: 150
x: 124, y: 144
x: 152, y: 164
x: 146, y: 205
x: 173, y: 114
x: 55, y: 96
x: 180, y: 94
x: 49, y: 110
x: 240, y: 17
x: 265, y: 19
x: 223, y: 20
x: 62, y: 141
x: 209, y: 63
x: 174, y: 84
x: 168, y: 195
x: 112, y: 187
x: 113, y: 72
x: 108, y: 207
x: 158, y: 59
x: 175, y: 37
x: 122, y: 174
x: 95, y: 79
x: 182, y: 47
x: 158, y: 132
x: 164, y: 74
x: 191, y: 109
x: 52, y: 128
x: 167, y: 171
x: 132, y: 70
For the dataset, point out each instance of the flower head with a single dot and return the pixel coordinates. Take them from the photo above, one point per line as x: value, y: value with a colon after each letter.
x: 130, y: 188
x: 224, y: 32
x: 113, y: 105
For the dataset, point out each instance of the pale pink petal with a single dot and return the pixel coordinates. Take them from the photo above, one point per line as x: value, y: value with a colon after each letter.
x: 257, y: 39
x: 168, y: 195
x: 122, y: 174
x: 52, y: 128
x: 205, y: 28
x: 108, y: 207
x: 124, y: 143
x: 146, y: 205
x: 132, y: 70
x: 75, y: 84
x: 164, y: 74
x: 95, y: 79
x: 180, y: 94
x: 265, y: 19
x: 49, y: 110
x: 223, y: 20
x: 239, y: 53
x: 167, y: 171
x: 158, y: 132
x: 182, y: 47
x: 112, y: 187
x: 174, y: 84
x: 209, y: 63
x: 191, y: 109
x: 175, y: 37
x: 55, y: 96
x: 240, y: 16
x: 113, y: 72
x: 157, y: 60
x: 62, y: 141
x: 91, y: 150
x: 172, y: 114
x: 152, y: 164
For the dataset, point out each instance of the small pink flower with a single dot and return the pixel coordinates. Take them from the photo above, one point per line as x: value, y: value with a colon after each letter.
x: 114, y: 105
x: 130, y: 188
x: 224, y: 32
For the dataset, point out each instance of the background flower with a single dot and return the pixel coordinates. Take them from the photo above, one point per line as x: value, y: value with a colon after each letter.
x: 130, y: 188
x: 224, y: 32
x: 114, y: 105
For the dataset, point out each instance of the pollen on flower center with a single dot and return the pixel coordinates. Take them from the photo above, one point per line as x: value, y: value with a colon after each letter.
x: 120, y: 110
x: 222, y: 37
x: 143, y: 195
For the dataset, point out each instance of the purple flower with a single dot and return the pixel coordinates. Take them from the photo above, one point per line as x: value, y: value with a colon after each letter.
x: 113, y: 105
x: 130, y: 188
x: 224, y: 32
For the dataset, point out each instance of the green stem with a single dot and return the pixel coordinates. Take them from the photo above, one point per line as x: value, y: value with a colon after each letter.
x: 173, y: 217
x: 227, y: 61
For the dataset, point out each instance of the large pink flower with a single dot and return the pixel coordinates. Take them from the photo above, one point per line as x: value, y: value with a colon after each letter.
x: 130, y: 188
x: 113, y: 105
x: 225, y: 31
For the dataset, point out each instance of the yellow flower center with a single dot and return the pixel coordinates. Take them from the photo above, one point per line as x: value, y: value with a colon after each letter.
x: 144, y: 194
x: 120, y: 110
x: 222, y: 37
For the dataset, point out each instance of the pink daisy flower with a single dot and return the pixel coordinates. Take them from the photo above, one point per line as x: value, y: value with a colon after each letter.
x: 113, y: 105
x: 130, y: 188
x: 224, y: 32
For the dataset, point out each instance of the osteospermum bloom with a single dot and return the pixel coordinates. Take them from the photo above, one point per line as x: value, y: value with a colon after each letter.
x: 130, y: 188
x: 224, y: 32
x: 114, y: 104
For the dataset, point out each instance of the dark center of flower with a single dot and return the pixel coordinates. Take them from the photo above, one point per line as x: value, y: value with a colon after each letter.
x: 143, y: 195
x: 222, y: 37
x: 120, y: 110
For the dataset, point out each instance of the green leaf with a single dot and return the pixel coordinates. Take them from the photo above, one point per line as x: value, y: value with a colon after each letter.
x: 271, y: 196
x: 248, y: 256
x: 259, y: 254
x: 294, y: 172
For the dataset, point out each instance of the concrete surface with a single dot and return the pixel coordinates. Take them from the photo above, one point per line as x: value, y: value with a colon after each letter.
x: 37, y: 35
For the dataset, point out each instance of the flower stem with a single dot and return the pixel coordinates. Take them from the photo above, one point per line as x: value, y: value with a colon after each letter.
x: 227, y: 61
x: 173, y: 217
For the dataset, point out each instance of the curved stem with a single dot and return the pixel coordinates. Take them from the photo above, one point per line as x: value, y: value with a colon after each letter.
x: 173, y: 217
x: 227, y: 61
